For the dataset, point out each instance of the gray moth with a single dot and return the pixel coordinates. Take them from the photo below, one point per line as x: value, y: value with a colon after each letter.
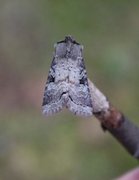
x: 67, y: 84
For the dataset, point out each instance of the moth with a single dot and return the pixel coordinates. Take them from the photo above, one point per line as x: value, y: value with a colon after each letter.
x: 67, y: 84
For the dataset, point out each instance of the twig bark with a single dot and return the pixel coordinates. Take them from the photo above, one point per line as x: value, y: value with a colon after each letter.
x: 115, y: 122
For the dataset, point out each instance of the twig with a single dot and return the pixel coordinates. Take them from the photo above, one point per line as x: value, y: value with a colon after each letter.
x: 115, y: 122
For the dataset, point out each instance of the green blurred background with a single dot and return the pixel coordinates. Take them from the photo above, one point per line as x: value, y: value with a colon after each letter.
x: 65, y: 147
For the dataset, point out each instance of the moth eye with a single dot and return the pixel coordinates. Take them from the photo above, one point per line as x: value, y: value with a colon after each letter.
x: 82, y: 81
x: 51, y: 79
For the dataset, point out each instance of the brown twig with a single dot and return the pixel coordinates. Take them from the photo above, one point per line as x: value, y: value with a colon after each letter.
x: 115, y: 122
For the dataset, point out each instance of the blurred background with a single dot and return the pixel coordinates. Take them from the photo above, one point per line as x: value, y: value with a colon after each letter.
x: 65, y: 147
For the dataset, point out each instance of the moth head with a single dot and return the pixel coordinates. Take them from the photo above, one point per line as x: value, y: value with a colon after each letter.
x: 69, y: 38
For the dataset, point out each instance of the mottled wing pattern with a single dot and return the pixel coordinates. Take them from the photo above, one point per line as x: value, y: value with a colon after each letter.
x: 67, y: 84
x: 51, y: 100
x: 79, y: 94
